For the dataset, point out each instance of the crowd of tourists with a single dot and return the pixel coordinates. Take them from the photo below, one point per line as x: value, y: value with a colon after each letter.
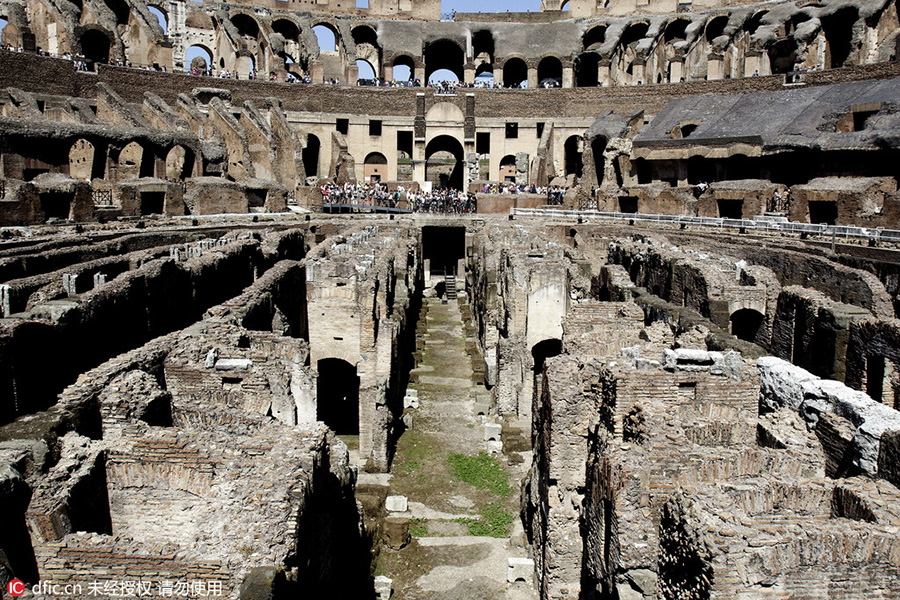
x: 444, y: 200
x: 441, y: 200
x: 554, y: 193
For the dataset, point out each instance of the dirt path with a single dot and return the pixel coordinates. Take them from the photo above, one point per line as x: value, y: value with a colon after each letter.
x: 463, y: 503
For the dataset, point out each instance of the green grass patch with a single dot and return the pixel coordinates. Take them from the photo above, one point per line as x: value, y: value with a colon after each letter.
x: 418, y: 527
x: 412, y: 466
x: 482, y: 471
x: 471, y: 425
x: 495, y: 521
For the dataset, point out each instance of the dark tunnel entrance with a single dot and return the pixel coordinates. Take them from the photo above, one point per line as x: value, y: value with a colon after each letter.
x: 746, y: 323
x: 337, y: 396
x: 540, y: 352
x: 443, y: 247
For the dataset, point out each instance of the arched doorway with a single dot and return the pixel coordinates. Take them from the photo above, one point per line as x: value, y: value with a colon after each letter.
x: 746, y: 323
x: 375, y: 167
x: 587, y: 69
x: 179, y: 163
x: 444, y: 162
x: 515, y: 73
x: 327, y: 37
x: 95, y: 46
x: 81, y: 160
x: 403, y: 68
x: 337, y: 396
x: 550, y: 72
x: 598, y: 147
x: 131, y: 162
x: 508, y: 168
x: 311, y: 156
x: 444, y: 54
x: 573, y: 147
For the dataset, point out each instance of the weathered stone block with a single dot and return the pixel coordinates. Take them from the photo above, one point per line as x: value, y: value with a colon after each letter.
x: 396, y: 504
x: 519, y: 569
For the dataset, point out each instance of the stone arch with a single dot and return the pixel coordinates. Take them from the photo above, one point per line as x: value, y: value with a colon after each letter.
x: 593, y: 38
x: 550, y: 68
x: 626, y: 51
x: 407, y: 67
x: 783, y: 55
x: 132, y: 163
x: 437, y: 172
x: 366, y: 69
x: 746, y: 324
x: 838, y: 31
x: 752, y: 24
x: 246, y: 25
x: 715, y: 27
x: 120, y: 9
x: 573, y: 155
x: 483, y: 48
x: 444, y: 54
x: 515, y: 72
x: 158, y: 11
x: 508, y: 168
x: 198, y: 57
x: 179, y: 163
x: 337, y: 395
x: 375, y: 167
x: 540, y: 352
x: 320, y: 28
x: 81, y: 160
x: 367, y: 47
x: 95, y: 44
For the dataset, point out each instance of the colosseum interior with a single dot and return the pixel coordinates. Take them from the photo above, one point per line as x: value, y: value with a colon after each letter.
x: 677, y: 379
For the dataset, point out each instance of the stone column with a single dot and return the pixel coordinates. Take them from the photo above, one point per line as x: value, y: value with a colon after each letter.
x: 752, y: 63
x: 352, y: 74
x: 317, y: 73
x: 676, y: 69
x: 714, y: 67
x: 419, y: 73
x: 568, y: 78
x: 603, y: 73
x: 388, y: 72
x: 638, y: 69
x: 469, y: 74
x: 532, y: 78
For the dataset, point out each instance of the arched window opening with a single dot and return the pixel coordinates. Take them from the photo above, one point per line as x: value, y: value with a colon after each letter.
x: 287, y: 29
x: 716, y: 28
x: 326, y: 37
x: 676, y: 30
x: 515, y: 73
x: 81, y: 160
x: 198, y: 60
x: 161, y: 17
x: 550, y: 72
x: 246, y: 26
x: 444, y: 162
x: 594, y: 38
x: 444, y: 55
x: 403, y: 68
x: 366, y: 70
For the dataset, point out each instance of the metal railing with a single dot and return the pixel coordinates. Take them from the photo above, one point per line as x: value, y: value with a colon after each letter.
x: 102, y: 197
x: 846, y: 232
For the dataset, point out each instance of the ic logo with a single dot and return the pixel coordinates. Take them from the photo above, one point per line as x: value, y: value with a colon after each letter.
x: 15, y: 588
